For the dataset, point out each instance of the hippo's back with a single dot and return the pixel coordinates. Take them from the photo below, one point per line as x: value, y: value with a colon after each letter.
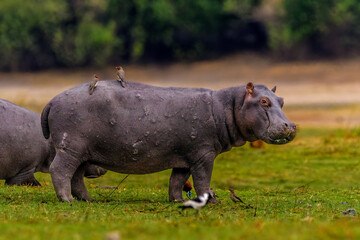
x: 137, y: 108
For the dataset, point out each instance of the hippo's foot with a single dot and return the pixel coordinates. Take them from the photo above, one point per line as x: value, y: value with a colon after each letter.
x: 176, y: 198
x: 35, y: 182
x: 24, y: 178
x: 177, y: 180
x: 177, y: 201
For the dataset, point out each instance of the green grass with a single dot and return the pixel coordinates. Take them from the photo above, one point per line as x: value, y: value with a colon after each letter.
x: 299, y: 191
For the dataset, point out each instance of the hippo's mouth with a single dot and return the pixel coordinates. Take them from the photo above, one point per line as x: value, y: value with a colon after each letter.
x: 279, y: 141
x: 92, y: 176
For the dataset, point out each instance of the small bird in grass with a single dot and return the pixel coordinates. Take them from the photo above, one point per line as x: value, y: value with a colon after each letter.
x: 187, y: 188
x: 121, y: 75
x: 93, y: 84
x: 197, y: 203
x: 236, y: 199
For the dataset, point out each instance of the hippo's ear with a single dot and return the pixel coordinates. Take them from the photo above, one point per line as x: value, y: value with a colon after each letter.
x: 250, y: 88
x: 274, y: 89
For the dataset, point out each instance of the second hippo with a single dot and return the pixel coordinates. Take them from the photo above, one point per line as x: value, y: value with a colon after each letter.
x: 23, y: 148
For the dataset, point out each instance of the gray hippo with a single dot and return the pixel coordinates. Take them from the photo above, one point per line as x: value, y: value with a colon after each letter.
x: 144, y: 129
x: 23, y: 148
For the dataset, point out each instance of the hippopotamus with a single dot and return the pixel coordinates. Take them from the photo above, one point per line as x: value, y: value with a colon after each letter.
x: 23, y: 148
x: 143, y: 129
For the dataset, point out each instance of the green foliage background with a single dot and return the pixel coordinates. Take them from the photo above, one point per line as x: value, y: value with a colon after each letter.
x: 54, y: 33
x: 320, y: 27
x: 47, y: 33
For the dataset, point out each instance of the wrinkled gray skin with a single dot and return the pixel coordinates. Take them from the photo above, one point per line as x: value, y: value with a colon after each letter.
x: 144, y: 129
x: 23, y: 148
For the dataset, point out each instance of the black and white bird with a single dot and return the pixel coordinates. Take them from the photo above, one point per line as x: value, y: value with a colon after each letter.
x: 198, y: 202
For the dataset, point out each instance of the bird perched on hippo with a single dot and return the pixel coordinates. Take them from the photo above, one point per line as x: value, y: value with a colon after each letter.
x: 121, y: 75
x: 144, y: 129
x: 23, y: 148
x: 93, y: 84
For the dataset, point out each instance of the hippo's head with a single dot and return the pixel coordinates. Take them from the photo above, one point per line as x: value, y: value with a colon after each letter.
x: 261, y: 117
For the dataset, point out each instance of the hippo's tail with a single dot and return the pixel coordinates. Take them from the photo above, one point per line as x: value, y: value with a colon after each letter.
x: 45, y: 121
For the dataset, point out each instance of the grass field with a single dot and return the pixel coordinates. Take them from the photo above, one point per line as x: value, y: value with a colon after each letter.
x: 299, y: 191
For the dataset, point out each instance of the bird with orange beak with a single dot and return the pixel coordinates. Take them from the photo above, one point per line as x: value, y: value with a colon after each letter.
x: 121, y: 75
x: 93, y: 84
x: 187, y: 188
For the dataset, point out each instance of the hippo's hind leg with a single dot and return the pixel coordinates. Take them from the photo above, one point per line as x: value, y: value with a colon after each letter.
x: 24, y: 178
x: 177, y: 180
x: 78, y: 188
x: 62, y: 170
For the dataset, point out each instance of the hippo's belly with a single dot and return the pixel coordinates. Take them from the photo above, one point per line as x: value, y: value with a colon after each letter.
x: 6, y: 170
x: 16, y: 155
x: 143, y: 162
x: 10, y: 166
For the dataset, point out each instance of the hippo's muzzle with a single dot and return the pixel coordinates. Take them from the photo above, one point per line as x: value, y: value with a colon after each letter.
x: 281, y: 135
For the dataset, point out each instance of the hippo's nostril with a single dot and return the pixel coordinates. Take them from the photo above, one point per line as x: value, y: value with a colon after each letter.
x: 286, y: 125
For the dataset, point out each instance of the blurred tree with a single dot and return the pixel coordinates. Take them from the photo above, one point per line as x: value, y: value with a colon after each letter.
x: 180, y: 29
x: 321, y: 27
x: 26, y: 30
x: 47, y: 33
x: 243, y: 8
x: 82, y: 39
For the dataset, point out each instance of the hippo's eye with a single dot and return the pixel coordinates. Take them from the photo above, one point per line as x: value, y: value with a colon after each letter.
x: 265, y: 102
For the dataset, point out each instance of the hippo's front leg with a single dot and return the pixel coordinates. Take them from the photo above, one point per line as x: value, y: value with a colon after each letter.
x: 201, y: 174
x: 177, y: 180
